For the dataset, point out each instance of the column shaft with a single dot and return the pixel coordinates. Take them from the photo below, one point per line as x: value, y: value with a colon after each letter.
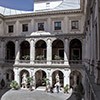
x: 49, y: 51
x: 66, y: 51
x: 66, y: 77
x: 16, y: 75
x: 17, y: 52
x: 2, y: 57
x: 32, y: 51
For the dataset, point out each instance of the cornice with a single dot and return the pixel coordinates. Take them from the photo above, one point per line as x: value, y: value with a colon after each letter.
x: 66, y: 35
x: 43, y: 13
x: 1, y: 16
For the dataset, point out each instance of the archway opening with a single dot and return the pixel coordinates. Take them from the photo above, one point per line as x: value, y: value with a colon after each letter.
x: 58, y: 50
x: 75, y: 50
x: 21, y: 75
x: 75, y: 78
x: 40, y: 50
x: 40, y: 75
x: 57, y: 76
x: 9, y: 75
x: 10, y: 51
x: 25, y: 50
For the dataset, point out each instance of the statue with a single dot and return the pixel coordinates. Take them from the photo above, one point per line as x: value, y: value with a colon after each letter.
x: 57, y: 85
x: 57, y: 78
x: 24, y: 80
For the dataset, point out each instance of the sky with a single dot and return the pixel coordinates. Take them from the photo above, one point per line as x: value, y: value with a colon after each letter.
x: 25, y: 5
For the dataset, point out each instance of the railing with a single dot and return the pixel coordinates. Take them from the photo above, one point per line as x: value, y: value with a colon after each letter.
x: 45, y: 61
x: 24, y: 61
x: 9, y: 61
x: 75, y: 61
x: 57, y: 61
x: 40, y: 61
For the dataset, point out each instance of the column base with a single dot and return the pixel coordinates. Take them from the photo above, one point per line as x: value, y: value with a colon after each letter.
x: 66, y: 63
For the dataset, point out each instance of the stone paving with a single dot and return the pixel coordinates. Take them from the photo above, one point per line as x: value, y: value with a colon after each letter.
x: 23, y: 94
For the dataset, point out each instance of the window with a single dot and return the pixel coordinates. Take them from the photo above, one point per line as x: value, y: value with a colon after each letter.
x: 47, y: 4
x: 75, y: 24
x: 57, y: 25
x: 10, y: 29
x: 24, y: 27
x: 40, y: 26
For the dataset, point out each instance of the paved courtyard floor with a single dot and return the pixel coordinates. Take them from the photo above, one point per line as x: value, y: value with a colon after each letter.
x: 37, y: 94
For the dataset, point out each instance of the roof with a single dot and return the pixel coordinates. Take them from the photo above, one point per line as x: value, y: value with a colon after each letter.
x: 65, y: 5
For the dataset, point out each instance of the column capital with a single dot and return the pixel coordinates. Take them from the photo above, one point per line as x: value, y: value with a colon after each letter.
x: 31, y: 39
x: 66, y: 38
x: 16, y: 40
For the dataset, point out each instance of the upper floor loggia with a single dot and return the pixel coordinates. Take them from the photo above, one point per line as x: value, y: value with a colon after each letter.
x: 51, y: 51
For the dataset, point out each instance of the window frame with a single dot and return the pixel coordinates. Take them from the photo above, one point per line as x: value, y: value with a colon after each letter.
x: 75, y: 25
x: 57, y: 25
x: 39, y: 26
x: 10, y: 28
x: 25, y: 28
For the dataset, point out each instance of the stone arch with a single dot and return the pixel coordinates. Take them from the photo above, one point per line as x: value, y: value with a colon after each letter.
x: 57, y: 49
x: 41, y: 50
x: 24, y: 71
x: 75, y: 49
x: 25, y: 50
x: 9, y: 75
x: 60, y: 75
x: 75, y: 78
x: 10, y: 50
x: 40, y: 75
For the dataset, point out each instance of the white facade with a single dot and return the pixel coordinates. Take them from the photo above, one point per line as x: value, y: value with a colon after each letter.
x: 92, y: 50
x: 50, y: 51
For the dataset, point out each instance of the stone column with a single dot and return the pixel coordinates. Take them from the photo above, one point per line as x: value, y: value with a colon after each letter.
x: 17, y: 52
x: 32, y: 74
x: 49, y: 76
x: 66, y: 51
x: 67, y: 77
x: 97, y: 27
x: 32, y: 51
x: 16, y: 75
x: 83, y: 49
x: 2, y: 56
x: 49, y: 51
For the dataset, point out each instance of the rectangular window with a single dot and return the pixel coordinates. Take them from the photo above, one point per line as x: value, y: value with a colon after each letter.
x: 24, y: 27
x: 40, y: 26
x: 75, y: 24
x: 10, y: 29
x: 57, y: 25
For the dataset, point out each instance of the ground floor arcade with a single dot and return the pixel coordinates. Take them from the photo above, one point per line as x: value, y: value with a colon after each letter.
x: 66, y: 76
